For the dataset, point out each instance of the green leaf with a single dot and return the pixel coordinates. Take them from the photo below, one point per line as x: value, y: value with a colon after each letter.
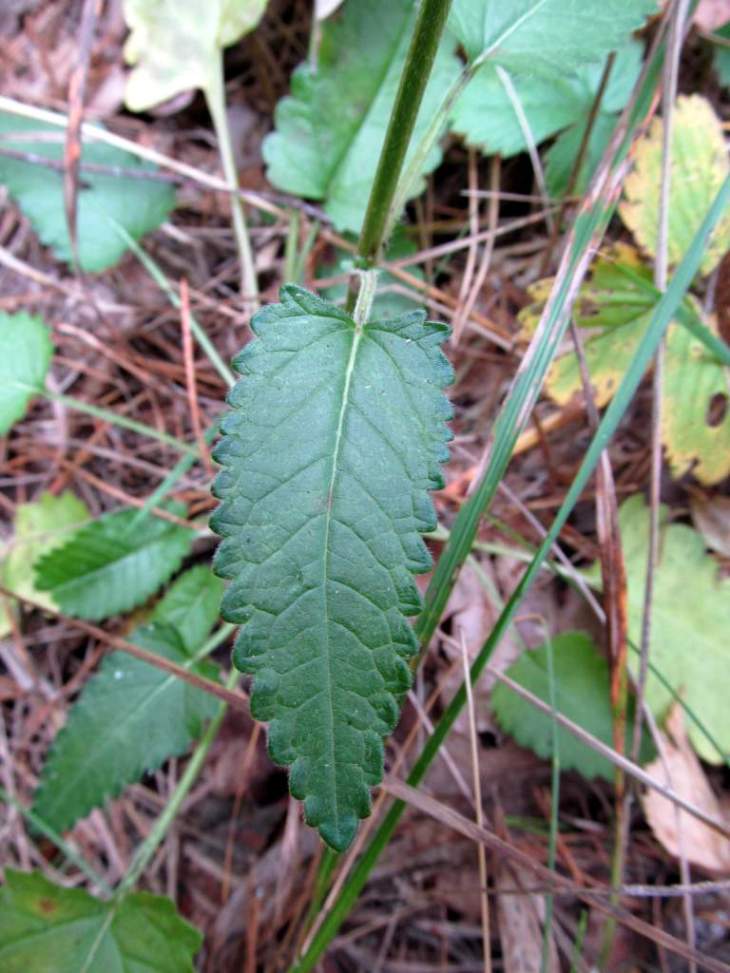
x: 191, y: 606
x: 721, y: 56
x: 690, y: 622
x: 108, y: 567
x: 137, y: 204
x: 329, y: 131
x: 334, y: 440
x: 560, y: 157
x: 582, y: 694
x: 137, y: 717
x: 25, y: 356
x: 486, y: 117
x: 548, y: 37
x: 699, y: 166
x: 40, y: 527
x: 46, y: 928
x: 175, y: 46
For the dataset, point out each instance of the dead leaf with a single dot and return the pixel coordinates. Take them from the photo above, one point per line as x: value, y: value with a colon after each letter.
x: 681, y: 770
x: 520, y: 923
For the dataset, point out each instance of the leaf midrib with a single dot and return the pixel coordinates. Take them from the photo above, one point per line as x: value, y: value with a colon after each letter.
x: 334, y: 473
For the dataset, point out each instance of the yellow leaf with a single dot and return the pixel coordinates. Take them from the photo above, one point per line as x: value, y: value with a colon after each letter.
x: 699, y: 165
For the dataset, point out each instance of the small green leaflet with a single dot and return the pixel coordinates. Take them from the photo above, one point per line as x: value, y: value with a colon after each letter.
x: 191, y: 605
x: 112, y: 565
x: 329, y: 131
x: 104, y: 199
x: 40, y: 527
x: 486, y: 117
x: 547, y: 37
x: 582, y: 693
x: 690, y: 624
x: 136, y: 715
x: 335, y: 436
x: 25, y: 356
x: 48, y: 929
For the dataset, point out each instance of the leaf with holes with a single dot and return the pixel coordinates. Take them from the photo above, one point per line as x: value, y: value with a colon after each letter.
x: 175, y: 46
x: 329, y: 131
x: 486, y: 115
x: 582, y: 693
x: 137, y: 716
x: 699, y: 166
x: 45, y: 927
x: 113, y: 564
x: 25, y: 356
x: 40, y: 527
x: 104, y: 200
x: 335, y: 438
x: 690, y: 622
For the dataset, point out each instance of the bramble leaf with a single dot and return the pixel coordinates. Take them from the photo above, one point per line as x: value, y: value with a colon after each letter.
x: 45, y: 927
x: 699, y: 166
x: 191, y: 606
x: 109, y: 567
x: 40, y: 527
x: 25, y: 354
x: 329, y: 131
x: 104, y: 199
x: 690, y: 622
x: 175, y: 46
x: 137, y: 715
x: 546, y: 36
x: 582, y: 693
x: 334, y: 439
x: 486, y: 116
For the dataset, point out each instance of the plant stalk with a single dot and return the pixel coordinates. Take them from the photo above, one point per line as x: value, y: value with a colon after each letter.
x: 427, y: 34
x: 215, y: 98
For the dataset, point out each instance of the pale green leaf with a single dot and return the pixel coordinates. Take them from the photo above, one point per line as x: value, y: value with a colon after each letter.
x: 334, y: 439
x: 112, y: 565
x: 582, y: 693
x: 40, y: 527
x: 486, y: 116
x: 690, y: 623
x: 561, y: 156
x: 48, y: 929
x: 699, y: 166
x: 25, y: 355
x: 136, y: 715
x: 329, y: 131
x: 104, y: 199
x: 176, y: 46
x: 191, y: 606
x: 548, y: 37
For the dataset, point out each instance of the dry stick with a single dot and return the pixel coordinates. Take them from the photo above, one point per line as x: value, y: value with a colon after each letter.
x: 187, y: 344
x: 471, y: 257
x: 671, y: 70
x: 481, y: 856
x: 72, y: 145
x: 465, y: 313
x: 578, y: 163
x: 236, y: 699
x: 447, y: 816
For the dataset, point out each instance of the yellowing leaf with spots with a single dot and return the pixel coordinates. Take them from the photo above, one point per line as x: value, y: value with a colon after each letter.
x: 699, y: 165
x: 614, y: 309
